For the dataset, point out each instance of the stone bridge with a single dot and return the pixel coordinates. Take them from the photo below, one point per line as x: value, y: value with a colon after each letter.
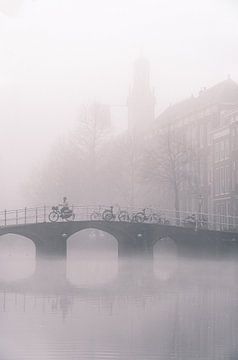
x: 134, y: 239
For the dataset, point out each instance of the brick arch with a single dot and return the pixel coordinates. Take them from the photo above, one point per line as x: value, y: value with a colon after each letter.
x: 111, y: 233
x: 21, y: 232
x: 91, y: 261
x: 11, y: 268
x: 166, y: 239
x: 76, y: 239
x: 106, y: 229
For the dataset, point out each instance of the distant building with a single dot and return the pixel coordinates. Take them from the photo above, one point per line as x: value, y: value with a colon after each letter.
x: 224, y: 165
x: 103, y: 114
x: 206, y: 121
x: 141, y: 100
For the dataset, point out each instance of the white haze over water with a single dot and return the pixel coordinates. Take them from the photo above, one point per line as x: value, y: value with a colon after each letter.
x: 182, y: 313
x: 57, y: 54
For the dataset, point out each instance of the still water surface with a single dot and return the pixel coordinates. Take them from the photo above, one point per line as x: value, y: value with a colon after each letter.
x: 94, y: 306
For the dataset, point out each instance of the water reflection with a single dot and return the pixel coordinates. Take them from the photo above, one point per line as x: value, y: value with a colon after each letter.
x: 17, y: 257
x: 189, y: 313
x: 92, y: 258
x: 165, y: 258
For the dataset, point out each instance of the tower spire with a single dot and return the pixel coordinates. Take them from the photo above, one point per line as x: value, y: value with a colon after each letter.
x: 141, y: 100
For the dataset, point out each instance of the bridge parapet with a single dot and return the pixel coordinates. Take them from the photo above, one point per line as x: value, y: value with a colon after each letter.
x: 45, y: 214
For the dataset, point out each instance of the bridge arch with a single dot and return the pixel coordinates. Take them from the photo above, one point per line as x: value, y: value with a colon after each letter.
x: 165, y: 243
x: 23, y: 232
x: 92, y: 257
x: 17, y: 257
x: 100, y: 226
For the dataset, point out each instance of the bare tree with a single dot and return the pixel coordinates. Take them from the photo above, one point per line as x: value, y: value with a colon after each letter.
x: 88, y: 138
x: 164, y: 163
x: 72, y: 168
x: 120, y: 172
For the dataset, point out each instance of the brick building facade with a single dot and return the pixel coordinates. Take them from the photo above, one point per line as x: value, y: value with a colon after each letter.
x: 224, y: 165
x: 208, y: 124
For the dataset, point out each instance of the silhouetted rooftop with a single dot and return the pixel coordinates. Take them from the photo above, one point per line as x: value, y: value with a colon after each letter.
x: 225, y: 92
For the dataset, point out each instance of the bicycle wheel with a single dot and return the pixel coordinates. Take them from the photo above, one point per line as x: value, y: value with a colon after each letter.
x: 95, y: 216
x: 132, y: 218
x: 139, y: 217
x: 70, y: 218
x: 155, y: 218
x: 123, y: 216
x: 107, y: 215
x: 53, y: 216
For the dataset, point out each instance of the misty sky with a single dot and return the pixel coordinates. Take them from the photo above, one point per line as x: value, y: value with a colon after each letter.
x: 57, y: 54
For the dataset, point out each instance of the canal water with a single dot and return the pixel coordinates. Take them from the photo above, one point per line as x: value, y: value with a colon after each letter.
x: 94, y: 305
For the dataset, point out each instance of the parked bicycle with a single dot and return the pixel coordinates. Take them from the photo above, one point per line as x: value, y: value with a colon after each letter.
x: 202, y: 221
x: 163, y: 221
x: 108, y: 214
x: 57, y: 213
x: 113, y: 214
x: 190, y: 221
x: 123, y: 215
x: 146, y: 215
x: 96, y: 215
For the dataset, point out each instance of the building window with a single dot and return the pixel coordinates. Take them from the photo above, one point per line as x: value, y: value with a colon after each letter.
x: 215, y: 121
x: 236, y: 176
x: 217, y: 155
x: 227, y: 179
x: 233, y: 177
x: 234, y: 138
x: 227, y: 148
x: 203, y: 135
x: 222, y: 180
x: 222, y: 150
x: 217, y: 181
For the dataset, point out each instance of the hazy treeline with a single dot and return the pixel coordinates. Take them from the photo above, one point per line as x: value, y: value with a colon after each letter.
x: 92, y: 165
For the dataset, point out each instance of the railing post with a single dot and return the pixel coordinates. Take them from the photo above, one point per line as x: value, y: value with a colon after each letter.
x: 196, y: 222
x: 44, y: 213
x: 73, y: 210
x: 25, y: 214
x: 36, y: 215
x: 5, y: 217
x: 16, y: 217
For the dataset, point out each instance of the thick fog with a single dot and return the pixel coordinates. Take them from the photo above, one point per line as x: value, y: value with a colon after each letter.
x: 139, y: 261
x: 57, y: 55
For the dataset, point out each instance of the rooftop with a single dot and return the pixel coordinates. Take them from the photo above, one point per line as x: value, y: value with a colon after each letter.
x: 223, y: 92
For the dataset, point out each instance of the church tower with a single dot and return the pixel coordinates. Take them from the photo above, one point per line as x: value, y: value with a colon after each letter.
x: 141, y: 100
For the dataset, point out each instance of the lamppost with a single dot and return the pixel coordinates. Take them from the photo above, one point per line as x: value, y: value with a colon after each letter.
x: 198, y: 215
x: 200, y: 204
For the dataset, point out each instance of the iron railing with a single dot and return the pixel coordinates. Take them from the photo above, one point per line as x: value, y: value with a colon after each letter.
x: 197, y: 221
